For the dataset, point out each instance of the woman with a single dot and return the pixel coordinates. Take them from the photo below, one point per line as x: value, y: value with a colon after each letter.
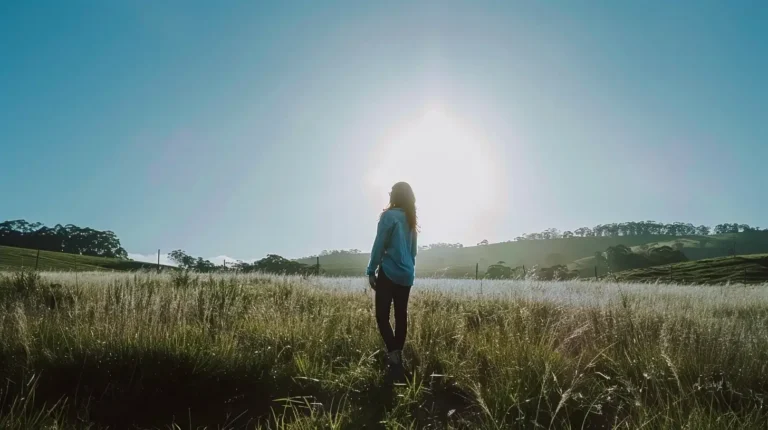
x: 394, y: 255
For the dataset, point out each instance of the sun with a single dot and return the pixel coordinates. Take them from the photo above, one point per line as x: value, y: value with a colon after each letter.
x: 450, y: 168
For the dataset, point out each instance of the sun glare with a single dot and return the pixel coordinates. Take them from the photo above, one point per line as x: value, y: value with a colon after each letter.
x: 450, y: 169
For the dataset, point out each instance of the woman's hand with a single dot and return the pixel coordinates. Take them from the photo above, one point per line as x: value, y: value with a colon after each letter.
x: 372, y: 282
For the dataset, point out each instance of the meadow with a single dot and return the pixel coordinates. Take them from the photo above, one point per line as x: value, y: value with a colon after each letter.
x: 186, y: 351
x: 13, y: 258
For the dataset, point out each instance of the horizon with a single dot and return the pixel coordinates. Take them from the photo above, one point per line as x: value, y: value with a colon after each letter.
x: 279, y: 128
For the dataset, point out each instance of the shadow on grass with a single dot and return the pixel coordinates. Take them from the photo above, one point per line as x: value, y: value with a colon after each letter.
x: 153, y: 389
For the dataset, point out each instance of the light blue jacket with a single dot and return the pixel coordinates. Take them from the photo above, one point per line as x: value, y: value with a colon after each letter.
x: 394, y: 248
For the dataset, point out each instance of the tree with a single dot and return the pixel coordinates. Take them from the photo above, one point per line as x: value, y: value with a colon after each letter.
x: 182, y: 259
x: 702, y: 230
x: 483, y: 242
x: 500, y: 270
x: 202, y: 265
x: 274, y: 263
x: 671, y: 229
x: 726, y: 228
x: 665, y: 255
x: 612, y: 230
x: 554, y: 273
x: 552, y: 233
x: 620, y: 257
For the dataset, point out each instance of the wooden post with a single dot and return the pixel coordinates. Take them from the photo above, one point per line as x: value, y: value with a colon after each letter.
x: 477, y: 271
x: 596, y: 278
x: 745, y: 276
x: 37, y: 260
x: 158, y: 261
x: 670, y: 273
x: 525, y: 272
x: 318, y: 266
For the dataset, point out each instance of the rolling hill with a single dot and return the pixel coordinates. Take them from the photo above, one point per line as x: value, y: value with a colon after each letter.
x: 694, y: 247
x: 12, y: 258
x: 577, y: 253
x: 739, y: 269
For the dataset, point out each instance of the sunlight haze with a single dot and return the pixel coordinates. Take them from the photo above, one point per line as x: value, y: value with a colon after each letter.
x: 458, y: 182
x: 257, y: 127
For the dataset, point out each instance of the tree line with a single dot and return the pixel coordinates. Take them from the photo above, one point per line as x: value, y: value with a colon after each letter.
x: 272, y: 263
x: 621, y: 257
x: 558, y: 272
x: 61, y: 238
x: 640, y: 228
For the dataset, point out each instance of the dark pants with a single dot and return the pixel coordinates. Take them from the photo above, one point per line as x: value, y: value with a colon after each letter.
x: 386, y: 293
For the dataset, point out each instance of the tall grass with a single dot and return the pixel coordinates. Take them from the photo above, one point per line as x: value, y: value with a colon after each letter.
x: 259, y: 351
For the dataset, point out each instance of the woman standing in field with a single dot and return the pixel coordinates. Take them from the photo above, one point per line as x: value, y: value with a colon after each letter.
x: 394, y: 255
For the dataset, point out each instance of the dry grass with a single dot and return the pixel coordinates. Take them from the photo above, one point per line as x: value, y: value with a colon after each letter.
x: 256, y: 351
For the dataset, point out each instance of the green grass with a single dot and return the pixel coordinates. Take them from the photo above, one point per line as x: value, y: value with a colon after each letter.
x: 740, y: 269
x: 12, y: 258
x: 253, y: 351
x: 576, y: 252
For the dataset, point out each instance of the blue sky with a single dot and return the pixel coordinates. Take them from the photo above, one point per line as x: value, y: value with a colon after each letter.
x: 273, y: 127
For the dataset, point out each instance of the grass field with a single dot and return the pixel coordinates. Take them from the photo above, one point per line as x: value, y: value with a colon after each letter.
x: 97, y: 350
x: 12, y: 258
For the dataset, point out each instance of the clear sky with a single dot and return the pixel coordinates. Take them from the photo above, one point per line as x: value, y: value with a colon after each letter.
x: 278, y: 127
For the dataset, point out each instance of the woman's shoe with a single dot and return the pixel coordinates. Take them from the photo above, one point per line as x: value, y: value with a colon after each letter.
x: 396, y: 368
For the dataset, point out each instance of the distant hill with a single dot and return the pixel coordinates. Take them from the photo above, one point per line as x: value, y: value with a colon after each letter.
x: 752, y: 269
x: 576, y: 252
x: 12, y: 258
x: 694, y: 247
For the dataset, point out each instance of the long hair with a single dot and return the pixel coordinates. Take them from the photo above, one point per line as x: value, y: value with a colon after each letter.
x: 402, y: 197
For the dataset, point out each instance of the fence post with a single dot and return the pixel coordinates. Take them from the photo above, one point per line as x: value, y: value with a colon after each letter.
x: 37, y: 259
x: 477, y: 271
x: 745, y: 276
x: 670, y: 273
x: 596, y: 278
x: 318, y: 266
x: 525, y: 272
x: 158, y: 261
